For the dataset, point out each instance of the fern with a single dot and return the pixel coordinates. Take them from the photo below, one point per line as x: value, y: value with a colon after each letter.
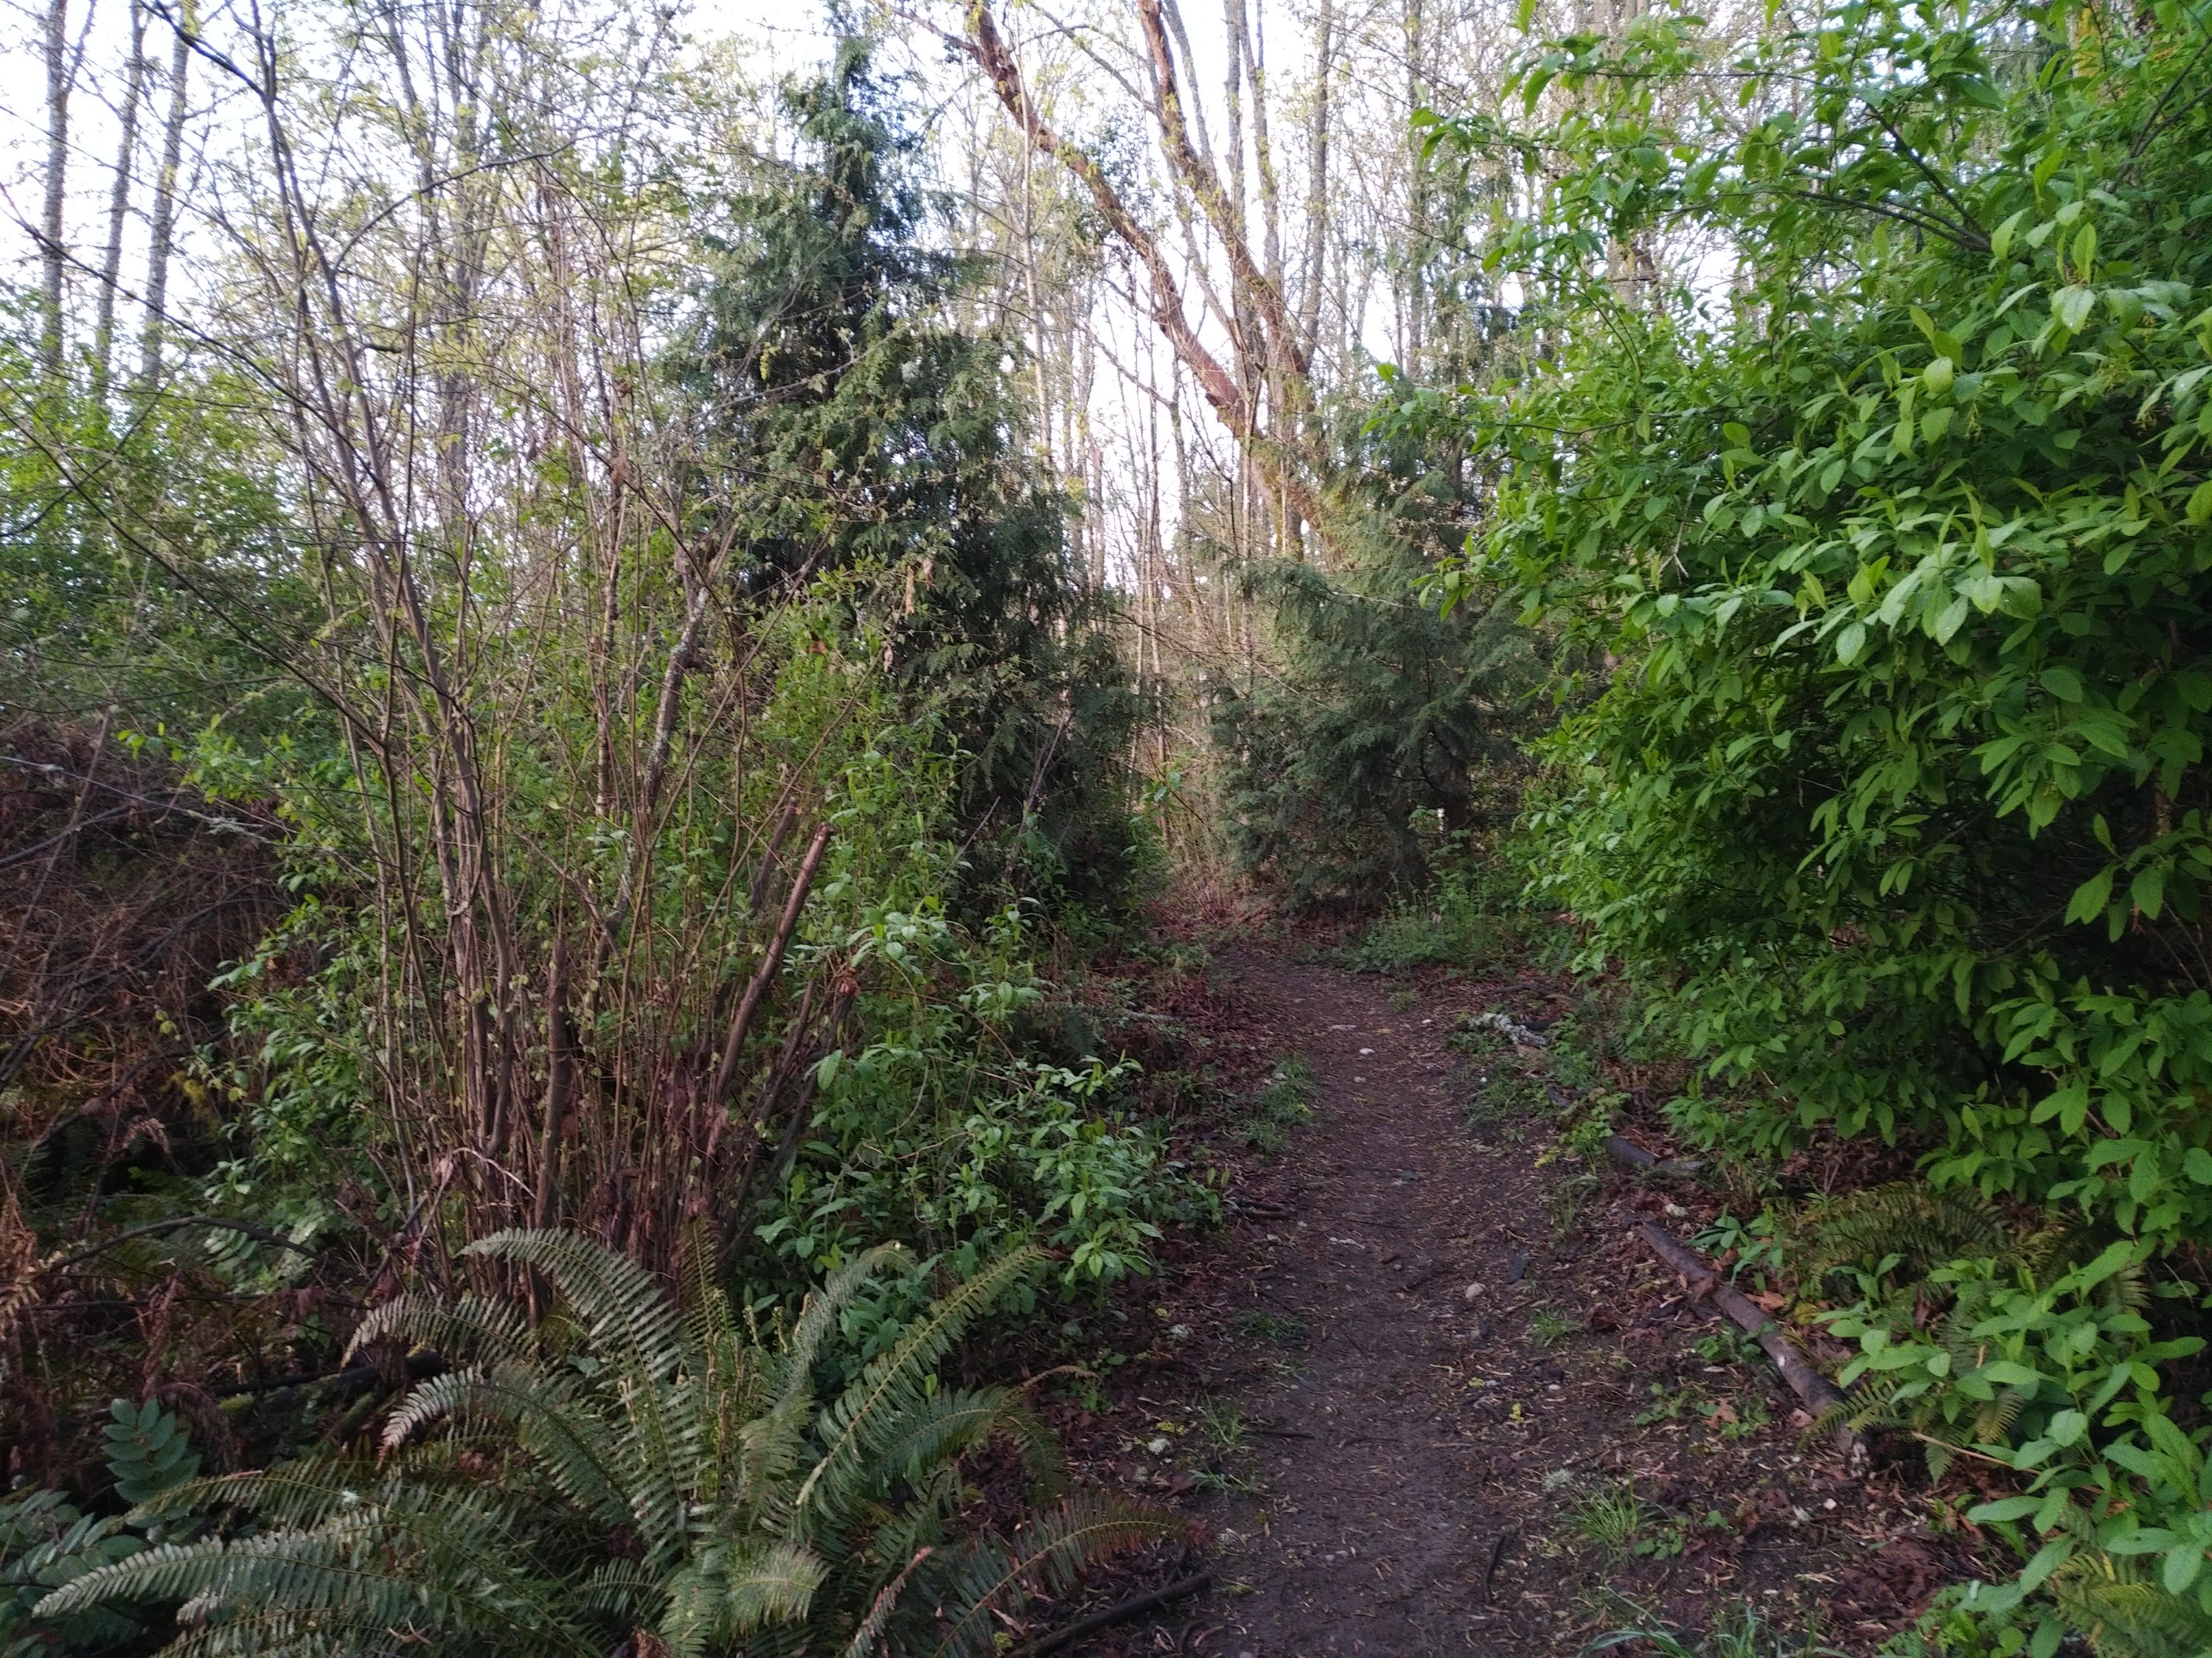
x: 1046, y: 1555
x: 891, y: 1384
x: 2124, y: 1613
x: 667, y: 1481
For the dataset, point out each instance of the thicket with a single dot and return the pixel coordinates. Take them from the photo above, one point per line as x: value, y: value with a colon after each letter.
x: 1888, y: 525
x: 1382, y: 731
x: 576, y: 720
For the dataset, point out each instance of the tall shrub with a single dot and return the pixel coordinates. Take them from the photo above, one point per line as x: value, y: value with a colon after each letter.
x: 1895, y: 535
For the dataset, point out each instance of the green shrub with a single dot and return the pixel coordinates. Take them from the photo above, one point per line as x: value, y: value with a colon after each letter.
x: 1459, y: 922
x: 1891, y: 796
x: 1894, y: 801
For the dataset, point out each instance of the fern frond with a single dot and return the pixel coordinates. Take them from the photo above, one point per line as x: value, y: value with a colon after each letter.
x: 2124, y: 1613
x: 299, y: 1494
x: 819, y: 1316
x: 868, y: 1636
x: 484, y: 1328
x: 624, y: 1309
x: 724, y: 1368
x: 630, y: 1324
x: 891, y: 1383
x: 775, y: 1583
x: 345, y: 1577
x: 1909, y: 1218
x: 952, y: 1422
x: 1086, y: 1528
x: 550, y: 1416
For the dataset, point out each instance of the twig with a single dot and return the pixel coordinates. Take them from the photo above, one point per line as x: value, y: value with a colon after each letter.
x: 1135, y: 1607
x: 261, y: 1233
x: 741, y: 1021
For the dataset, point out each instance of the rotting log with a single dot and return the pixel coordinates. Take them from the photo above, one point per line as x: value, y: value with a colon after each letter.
x: 1819, y: 1394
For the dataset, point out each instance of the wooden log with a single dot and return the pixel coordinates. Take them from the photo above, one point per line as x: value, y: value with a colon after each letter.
x: 1819, y: 1394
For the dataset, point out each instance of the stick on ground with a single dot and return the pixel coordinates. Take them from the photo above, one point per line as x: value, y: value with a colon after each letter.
x: 1818, y: 1392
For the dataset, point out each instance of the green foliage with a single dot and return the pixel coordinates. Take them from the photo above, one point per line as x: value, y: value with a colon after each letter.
x: 1460, y: 921
x: 1611, y: 1517
x: 2036, y: 1353
x: 1891, y: 796
x: 1894, y: 798
x: 148, y: 1452
x: 1288, y: 1096
x: 1740, y: 1632
x: 1364, y: 751
x: 46, y: 1543
x: 1284, y: 1103
x: 658, y: 1473
x: 859, y: 429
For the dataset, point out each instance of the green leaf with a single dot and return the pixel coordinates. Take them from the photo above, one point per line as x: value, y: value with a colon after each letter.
x: 2063, y: 682
x: 2147, y: 891
x: 2092, y: 895
x: 2181, y: 1567
x: 2072, y: 306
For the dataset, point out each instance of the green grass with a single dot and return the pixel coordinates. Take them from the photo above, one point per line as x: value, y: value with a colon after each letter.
x: 1426, y: 933
x: 1283, y: 1103
x: 1548, y: 1328
x: 1287, y: 1098
x: 1278, y: 1329
x: 1740, y: 1632
x: 1222, y: 1424
x: 1610, y: 1516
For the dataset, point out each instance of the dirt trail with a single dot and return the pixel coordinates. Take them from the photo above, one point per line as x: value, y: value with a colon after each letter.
x: 1413, y: 1460
x: 1372, y: 1533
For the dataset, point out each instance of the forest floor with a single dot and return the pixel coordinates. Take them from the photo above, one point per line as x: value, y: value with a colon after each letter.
x: 1427, y: 1394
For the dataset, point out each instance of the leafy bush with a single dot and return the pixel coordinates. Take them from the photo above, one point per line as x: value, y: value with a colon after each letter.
x: 1891, y: 796
x: 1894, y: 795
x: 47, y: 1543
x: 637, y: 1471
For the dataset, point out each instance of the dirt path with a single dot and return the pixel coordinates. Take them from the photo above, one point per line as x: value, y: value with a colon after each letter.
x: 1443, y: 1405
x: 1373, y: 1533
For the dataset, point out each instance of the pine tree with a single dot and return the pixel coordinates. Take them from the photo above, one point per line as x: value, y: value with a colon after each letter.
x: 863, y: 435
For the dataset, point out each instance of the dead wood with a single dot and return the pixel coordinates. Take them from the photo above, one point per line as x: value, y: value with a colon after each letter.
x: 1820, y: 1394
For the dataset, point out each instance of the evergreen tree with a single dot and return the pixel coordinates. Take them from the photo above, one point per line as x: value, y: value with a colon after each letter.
x: 862, y: 433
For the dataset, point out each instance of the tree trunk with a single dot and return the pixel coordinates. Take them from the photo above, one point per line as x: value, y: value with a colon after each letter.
x: 161, y: 234
x: 118, y: 208
x: 53, y: 253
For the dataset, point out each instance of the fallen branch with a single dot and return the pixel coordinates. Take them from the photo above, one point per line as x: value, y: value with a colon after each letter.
x: 260, y: 1234
x: 1819, y: 1394
x: 1629, y: 1155
x: 1135, y: 1607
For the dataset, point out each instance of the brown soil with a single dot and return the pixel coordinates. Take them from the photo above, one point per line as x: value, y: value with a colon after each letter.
x: 1398, y: 1386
